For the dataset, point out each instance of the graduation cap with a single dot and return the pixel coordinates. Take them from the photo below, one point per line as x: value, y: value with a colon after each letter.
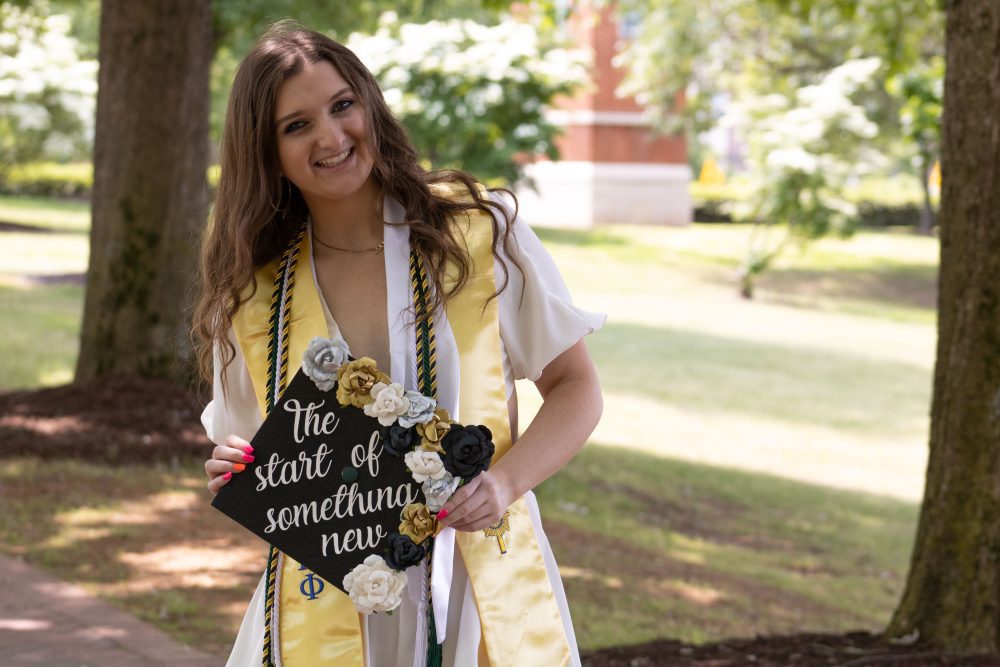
x: 321, y: 489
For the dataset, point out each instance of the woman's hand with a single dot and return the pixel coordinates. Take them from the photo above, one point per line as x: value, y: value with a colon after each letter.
x: 227, y: 459
x: 478, y: 504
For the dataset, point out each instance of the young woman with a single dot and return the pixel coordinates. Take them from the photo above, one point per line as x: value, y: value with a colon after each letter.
x: 316, y: 170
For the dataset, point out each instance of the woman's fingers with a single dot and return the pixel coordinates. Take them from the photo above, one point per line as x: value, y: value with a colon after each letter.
x: 483, y: 517
x: 242, y: 454
x: 232, y: 457
x: 472, y: 506
x: 453, y: 508
x: 218, y: 482
x: 216, y: 467
x: 224, y: 453
x: 476, y: 505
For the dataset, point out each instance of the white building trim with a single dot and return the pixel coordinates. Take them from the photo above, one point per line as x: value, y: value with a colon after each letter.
x: 589, y: 117
x: 582, y: 194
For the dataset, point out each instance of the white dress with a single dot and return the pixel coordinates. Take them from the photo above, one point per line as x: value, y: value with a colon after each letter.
x: 534, y: 330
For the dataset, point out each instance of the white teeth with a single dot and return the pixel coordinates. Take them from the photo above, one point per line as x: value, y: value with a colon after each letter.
x: 335, y: 160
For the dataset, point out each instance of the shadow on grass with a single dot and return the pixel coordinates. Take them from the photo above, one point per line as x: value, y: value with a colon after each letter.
x: 28, y: 228
x: 757, y: 379
x: 653, y: 548
x: 142, y: 537
x: 648, y: 547
x: 908, y: 285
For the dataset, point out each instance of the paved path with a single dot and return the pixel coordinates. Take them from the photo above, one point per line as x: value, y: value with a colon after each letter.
x: 45, y: 622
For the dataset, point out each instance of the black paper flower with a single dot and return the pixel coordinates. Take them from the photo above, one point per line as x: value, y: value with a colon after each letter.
x: 402, y: 552
x: 397, y: 440
x: 467, y: 450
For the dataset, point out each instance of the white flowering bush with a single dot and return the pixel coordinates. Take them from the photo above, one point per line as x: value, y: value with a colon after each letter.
x: 805, y: 149
x: 471, y: 96
x: 47, y: 93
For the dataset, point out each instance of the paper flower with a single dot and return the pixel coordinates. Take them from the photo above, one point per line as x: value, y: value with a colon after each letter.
x: 424, y: 465
x: 421, y: 410
x: 417, y: 522
x: 468, y: 450
x: 322, y: 359
x: 432, y: 431
x: 402, y: 552
x: 374, y: 586
x: 389, y: 402
x: 398, y: 440
x: 355, y: 381
x: 438, y: 491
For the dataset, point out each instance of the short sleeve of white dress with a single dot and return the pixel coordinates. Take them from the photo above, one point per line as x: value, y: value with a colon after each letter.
x: 235, y: 411
x: 538, y: 320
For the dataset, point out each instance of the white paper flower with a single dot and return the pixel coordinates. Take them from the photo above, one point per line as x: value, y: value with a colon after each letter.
x: 421, y: 410
x: 322, y: 359
x: 389, y: 402
x: 438, y: 491
x: 374, y: 586
x: 424, y: 465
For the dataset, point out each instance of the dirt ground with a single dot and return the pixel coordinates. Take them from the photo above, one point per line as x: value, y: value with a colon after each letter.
x: 133, y: 420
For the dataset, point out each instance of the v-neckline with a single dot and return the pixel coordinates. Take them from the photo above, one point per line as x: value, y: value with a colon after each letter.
x: 398, y: 298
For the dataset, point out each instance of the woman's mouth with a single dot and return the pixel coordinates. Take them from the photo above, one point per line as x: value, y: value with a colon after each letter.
x: 335, y: 160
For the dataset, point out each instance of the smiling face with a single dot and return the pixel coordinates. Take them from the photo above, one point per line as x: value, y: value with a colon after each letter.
x: 321, y: 135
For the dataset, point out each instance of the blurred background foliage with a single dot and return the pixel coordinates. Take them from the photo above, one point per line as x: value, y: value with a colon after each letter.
x: 827, y: 96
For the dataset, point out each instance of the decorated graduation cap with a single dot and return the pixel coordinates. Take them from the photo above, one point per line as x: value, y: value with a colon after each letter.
x: 350, y: 470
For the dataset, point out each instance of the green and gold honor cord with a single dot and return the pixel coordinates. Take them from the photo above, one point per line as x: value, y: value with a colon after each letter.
x: 277, y: 372
x: 426, y: 385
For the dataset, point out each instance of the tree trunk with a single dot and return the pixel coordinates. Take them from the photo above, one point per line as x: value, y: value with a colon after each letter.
x: 150, y: 193
x: 952, y: 595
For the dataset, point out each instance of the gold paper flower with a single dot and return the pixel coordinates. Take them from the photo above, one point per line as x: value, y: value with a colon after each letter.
x: 433, y: 431
x: 418, y: 522
x: 355, y: 381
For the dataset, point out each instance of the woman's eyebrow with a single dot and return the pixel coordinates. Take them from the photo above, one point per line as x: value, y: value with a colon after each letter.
x: 337, y: 94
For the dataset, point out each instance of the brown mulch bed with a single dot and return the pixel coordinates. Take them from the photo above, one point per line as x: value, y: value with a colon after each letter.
x: 855, y: 649
x: 119, y: 420
x: 136, y: 420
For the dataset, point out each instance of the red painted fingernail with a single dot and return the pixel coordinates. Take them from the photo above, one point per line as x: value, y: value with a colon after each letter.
x: 443, y: 514
x: 228, y: 475
x: 248, y: 458
x: 248, y: 449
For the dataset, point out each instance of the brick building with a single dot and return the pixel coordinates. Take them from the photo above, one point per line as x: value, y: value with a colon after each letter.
x: 613, y: 168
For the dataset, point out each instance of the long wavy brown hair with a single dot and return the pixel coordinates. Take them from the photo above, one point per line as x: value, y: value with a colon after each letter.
x: 257, y: 211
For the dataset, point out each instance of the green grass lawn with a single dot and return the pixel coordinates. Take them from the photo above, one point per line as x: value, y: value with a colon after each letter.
x: 758, y: 466
x: 43, y: 256
x: 53, y: 214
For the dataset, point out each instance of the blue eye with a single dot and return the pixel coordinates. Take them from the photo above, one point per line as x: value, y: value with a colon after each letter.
x: 342, y: 105
x: 293, y: 126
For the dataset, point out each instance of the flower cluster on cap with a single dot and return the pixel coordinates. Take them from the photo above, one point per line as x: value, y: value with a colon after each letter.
x: 440, y: 454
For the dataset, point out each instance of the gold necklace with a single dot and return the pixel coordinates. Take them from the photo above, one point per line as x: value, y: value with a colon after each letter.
x: 378, y: 248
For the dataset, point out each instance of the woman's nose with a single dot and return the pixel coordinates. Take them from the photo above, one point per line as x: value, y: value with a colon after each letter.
x: 331, y: 133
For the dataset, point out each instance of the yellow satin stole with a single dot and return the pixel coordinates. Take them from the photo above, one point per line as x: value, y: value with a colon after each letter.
x: 521, y: 623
